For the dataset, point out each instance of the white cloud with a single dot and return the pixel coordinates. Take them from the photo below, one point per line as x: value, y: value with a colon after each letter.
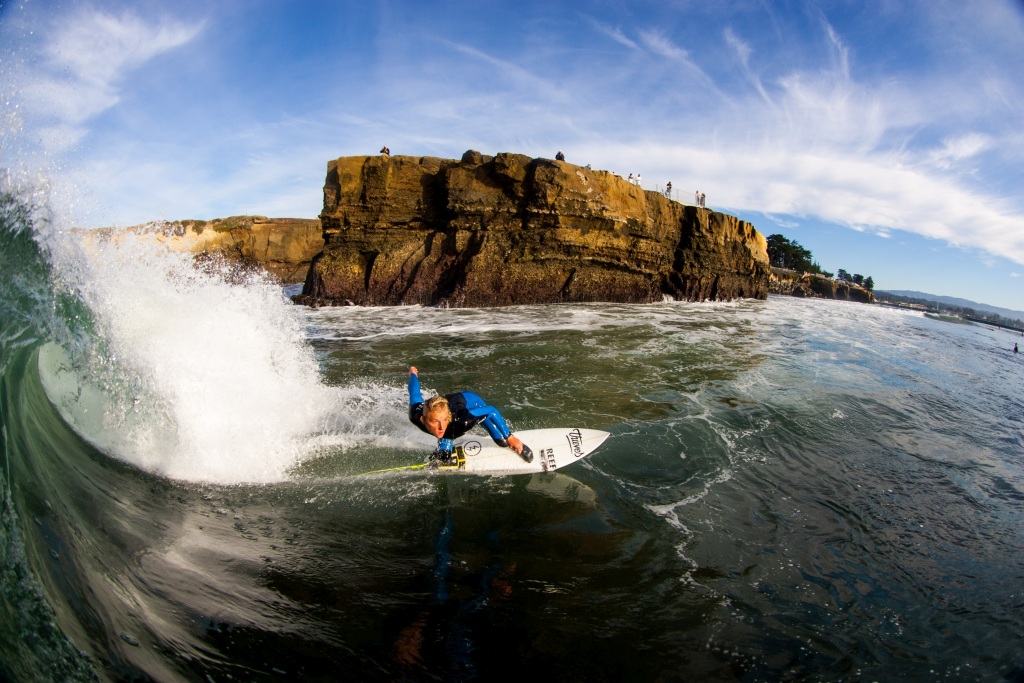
x: 82, y: 63
x: 509, y: 72
x: 656, y: 42
x: 615, y: 34
x: 958, y: 148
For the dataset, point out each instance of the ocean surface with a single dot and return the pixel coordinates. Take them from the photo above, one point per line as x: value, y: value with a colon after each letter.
x: 794, y: 490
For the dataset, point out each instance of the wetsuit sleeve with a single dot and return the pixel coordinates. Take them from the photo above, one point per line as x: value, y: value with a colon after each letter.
x: 444, y: 446
x: 415, y: 395
x: 415, y: 402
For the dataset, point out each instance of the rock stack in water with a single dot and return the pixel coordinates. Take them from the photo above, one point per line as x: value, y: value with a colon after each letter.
x: 502, y: 230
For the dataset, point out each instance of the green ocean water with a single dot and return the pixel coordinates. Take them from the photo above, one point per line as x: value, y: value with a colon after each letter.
x: 794, y: 490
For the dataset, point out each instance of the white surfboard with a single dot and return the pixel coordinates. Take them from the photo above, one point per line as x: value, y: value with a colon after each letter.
x: 552, y: 449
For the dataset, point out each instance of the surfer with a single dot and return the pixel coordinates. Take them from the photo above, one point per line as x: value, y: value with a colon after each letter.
x: 449, y: 417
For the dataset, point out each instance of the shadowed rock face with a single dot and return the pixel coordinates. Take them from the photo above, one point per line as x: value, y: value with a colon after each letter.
x: 503, y: 230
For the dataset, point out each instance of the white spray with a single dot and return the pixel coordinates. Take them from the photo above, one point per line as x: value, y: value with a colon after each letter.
x: 195, y: 373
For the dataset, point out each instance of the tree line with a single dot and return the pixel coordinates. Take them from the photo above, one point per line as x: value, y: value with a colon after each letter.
x: 791, y: 255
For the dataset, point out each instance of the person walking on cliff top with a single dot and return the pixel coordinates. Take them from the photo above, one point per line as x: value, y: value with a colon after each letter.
x: 449, y: 417
x: 668, y: 190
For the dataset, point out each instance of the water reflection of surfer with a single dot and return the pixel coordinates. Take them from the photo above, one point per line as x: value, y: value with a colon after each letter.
x: 449, y: 417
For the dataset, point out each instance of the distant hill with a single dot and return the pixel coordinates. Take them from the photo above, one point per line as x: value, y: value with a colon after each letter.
x: 953, y: 301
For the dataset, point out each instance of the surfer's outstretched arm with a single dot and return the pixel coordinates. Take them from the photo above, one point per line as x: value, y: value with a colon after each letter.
x: 436, y: 422
x: 415, y: 395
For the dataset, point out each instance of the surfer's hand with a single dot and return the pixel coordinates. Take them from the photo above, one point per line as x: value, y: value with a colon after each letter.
x: 414, y: 371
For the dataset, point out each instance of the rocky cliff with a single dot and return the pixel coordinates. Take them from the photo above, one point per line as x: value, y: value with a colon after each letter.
x: 492, y: 231
x: 816, y: 286
x: 285, y: 247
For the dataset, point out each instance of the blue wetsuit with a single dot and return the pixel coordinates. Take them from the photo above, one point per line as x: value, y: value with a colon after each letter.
x: 468, y: 410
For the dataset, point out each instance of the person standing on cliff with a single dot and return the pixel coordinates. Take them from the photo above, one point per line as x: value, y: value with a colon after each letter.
x: 703, y: 197
x: 385, y: 151
x: 449, y: 417
x: 668, y: 190
x: 559, y: 156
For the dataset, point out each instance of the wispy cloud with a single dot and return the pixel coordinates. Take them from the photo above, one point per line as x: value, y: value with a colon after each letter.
x: 743, y: 52
x: 615, y: 33
x: 659, y: 44
x: 82, y: 63
x: 958, y: 149
x: 508, y: 72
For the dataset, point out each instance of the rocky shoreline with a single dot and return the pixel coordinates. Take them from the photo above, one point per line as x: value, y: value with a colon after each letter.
x: 284, y: 247
x: 496, y: 231
x: 809, y: 285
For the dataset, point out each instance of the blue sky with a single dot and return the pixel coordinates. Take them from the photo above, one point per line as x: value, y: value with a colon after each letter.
x: 886, y: 136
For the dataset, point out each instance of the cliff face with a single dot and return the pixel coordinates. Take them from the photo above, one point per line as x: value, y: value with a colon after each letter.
x: 818, y: 286
x: 285, y: 247
x: 492, y: 231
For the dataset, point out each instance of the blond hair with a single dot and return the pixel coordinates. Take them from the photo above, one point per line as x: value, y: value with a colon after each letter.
x: 436, y: 404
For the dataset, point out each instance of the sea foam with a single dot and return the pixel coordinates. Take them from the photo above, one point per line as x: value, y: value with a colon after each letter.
x: 197, y: 373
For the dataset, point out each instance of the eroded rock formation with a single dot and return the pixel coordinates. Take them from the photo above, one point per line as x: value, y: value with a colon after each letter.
x: 285, y: 247
x: 492, y: 231
x: 817, y: 286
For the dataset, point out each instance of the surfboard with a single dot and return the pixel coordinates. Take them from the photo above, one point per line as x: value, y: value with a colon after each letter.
x: 552, y: 448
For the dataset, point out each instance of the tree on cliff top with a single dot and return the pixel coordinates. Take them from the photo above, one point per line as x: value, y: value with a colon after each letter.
x: 867, y: 283
x: 783, y: 253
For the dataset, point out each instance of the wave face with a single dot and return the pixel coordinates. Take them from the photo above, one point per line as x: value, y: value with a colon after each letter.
x: 794, y: 489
